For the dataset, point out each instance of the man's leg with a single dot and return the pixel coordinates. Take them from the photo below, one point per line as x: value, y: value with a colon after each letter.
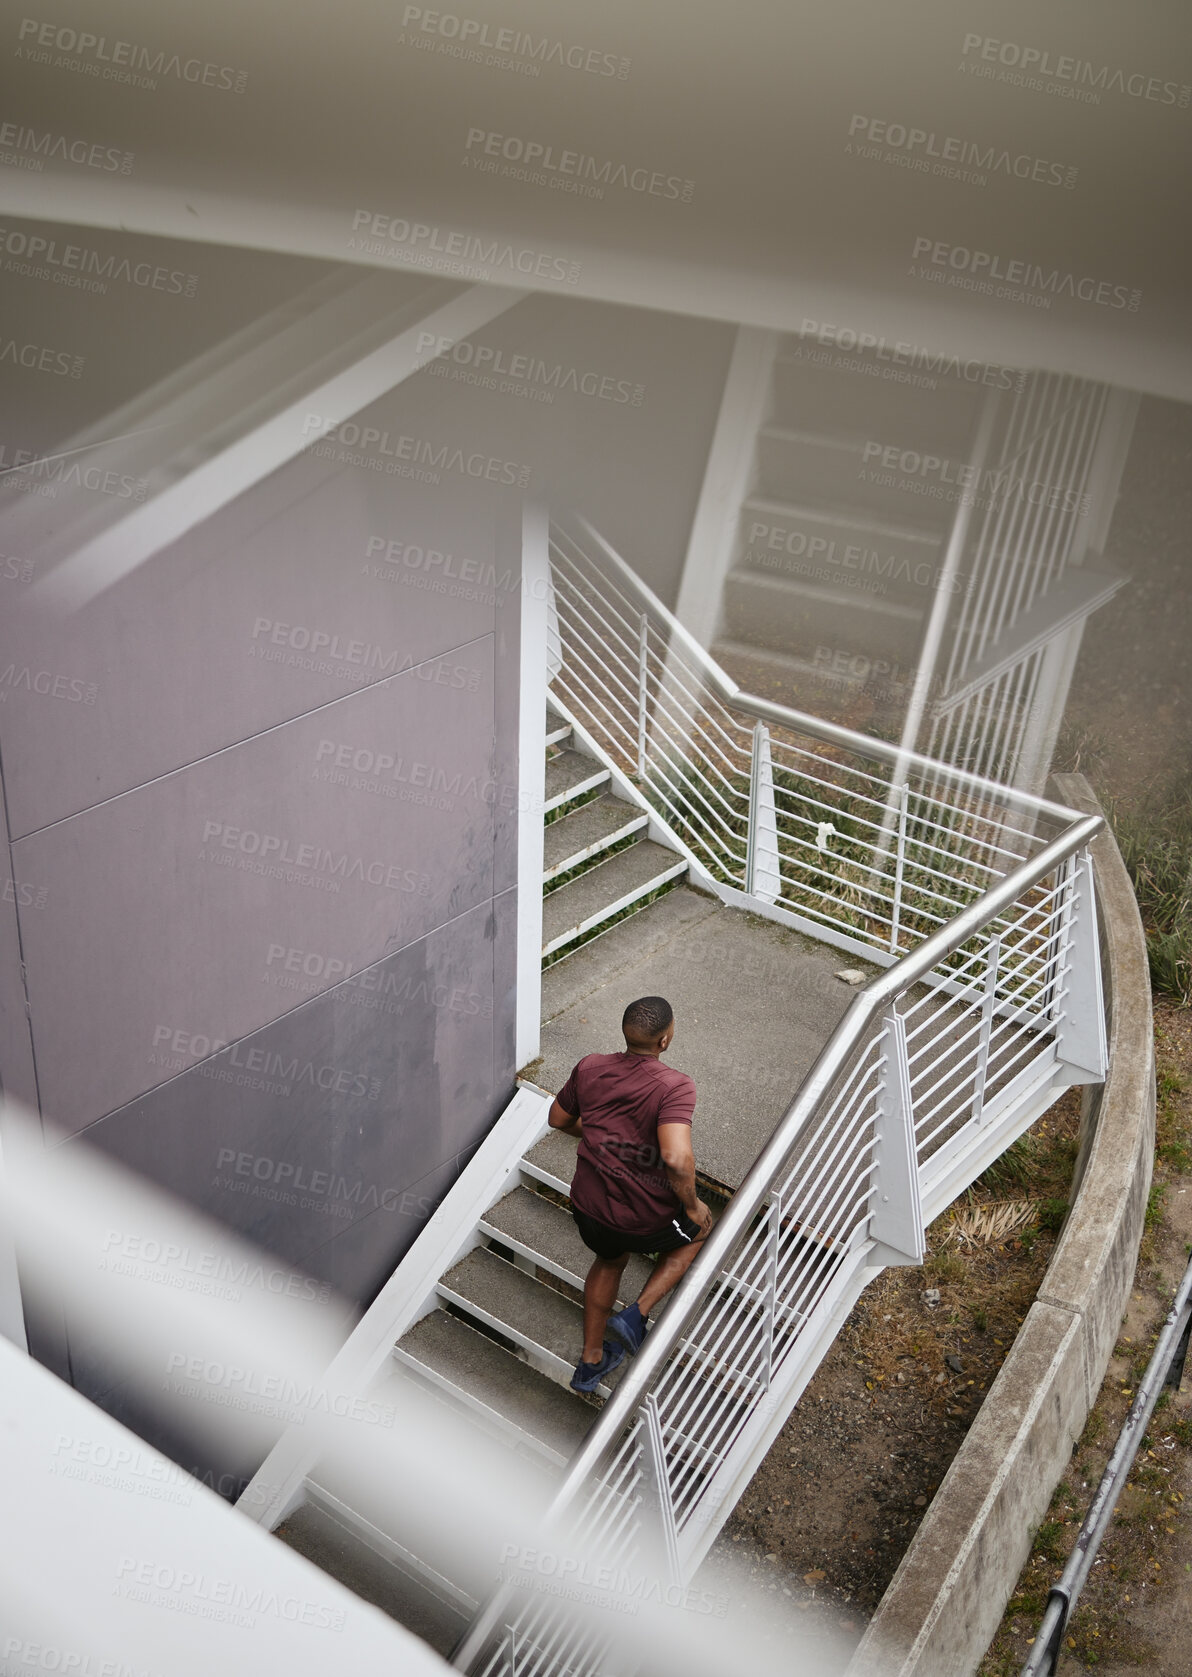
x: 667, y: 1272
x: 600, y: 1298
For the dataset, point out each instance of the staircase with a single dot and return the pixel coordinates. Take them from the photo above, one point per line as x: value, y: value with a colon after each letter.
x: 599, y: 864
x: 936, y: 1067
x: 498, y: 1336
x: 825, y: 582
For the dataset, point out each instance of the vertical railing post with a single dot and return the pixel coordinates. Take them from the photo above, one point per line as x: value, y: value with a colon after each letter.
x: 992, y: 963
x: 896, y: 1218
x: 657, y: 1503
x: 899, y: 865
x: 759, y: 729
x: 770, y: 1306
x: 762, y: 876
x: 1080, y: 1008
x: 643, y: 666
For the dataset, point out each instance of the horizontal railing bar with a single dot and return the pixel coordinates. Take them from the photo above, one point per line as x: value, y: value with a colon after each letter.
x: 781, y: 715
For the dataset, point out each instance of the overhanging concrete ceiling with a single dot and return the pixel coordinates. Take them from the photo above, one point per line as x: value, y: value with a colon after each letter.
x: 1000, y: 181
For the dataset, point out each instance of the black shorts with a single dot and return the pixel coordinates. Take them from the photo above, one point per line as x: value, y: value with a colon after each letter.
x: 617, y: 1243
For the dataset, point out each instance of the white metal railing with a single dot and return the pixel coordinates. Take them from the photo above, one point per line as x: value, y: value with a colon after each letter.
x: 938, y: 1065
x: 1030, y: 523
x: 802, y: 818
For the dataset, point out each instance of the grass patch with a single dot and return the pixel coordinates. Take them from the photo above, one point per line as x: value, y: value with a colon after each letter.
x: 1171, y: 1135
x: 1049, y: 1544
x: 944, y: 1267
x: 1156, y: 845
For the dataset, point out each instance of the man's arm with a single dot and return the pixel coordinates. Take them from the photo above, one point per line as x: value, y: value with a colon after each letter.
x: 560, y: 1119
x: 678, y: 1155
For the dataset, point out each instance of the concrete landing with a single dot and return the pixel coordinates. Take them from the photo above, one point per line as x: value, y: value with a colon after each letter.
x: 754, y: 1004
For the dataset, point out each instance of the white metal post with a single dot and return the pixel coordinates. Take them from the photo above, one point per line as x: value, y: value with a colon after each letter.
x: 1080, y: 1027
x: 992, y: 962
x: 896, y: 1219
x: 657, y: 1504
x: 771, y: 1303
x: 643, y: 666
x: 531, y: 773
x: 899, y: 864
x: 762, y: 876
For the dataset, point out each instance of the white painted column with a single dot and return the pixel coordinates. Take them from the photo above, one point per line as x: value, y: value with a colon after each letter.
x: 12, y: 1314
x: 531, y: 752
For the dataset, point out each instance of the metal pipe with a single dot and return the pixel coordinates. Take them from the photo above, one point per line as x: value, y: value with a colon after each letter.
x: 1044, y: 1656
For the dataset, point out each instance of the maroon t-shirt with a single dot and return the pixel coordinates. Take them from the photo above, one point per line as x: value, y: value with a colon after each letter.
x: 620, y: 1178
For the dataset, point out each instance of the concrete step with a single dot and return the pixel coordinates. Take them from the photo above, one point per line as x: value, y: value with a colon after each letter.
x: 500, y: 1389
x: 613, y: 957
x: 556, y: 730
x: 585, y: 903
x: 820, y: 620
x: 548, y: 1327
x: 354, y: 1556
x: 543, y: 1231
x: 776, y: 589
x: 804, y: 466
x: 848, y: 392
x: 836, y: 544
x: 828, y: 689
x: 568, y: 775
x: 584, y: 832
x: 552, y: 1161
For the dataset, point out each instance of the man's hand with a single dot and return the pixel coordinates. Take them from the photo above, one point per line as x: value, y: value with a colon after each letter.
x: 678, y: 1157
x: 701, y: 1217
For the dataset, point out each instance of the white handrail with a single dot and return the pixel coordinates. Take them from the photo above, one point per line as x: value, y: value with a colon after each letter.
x: 798, y: 721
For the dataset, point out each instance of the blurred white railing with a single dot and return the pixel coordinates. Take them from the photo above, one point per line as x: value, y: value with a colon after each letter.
x: 939, y: 1064
x: 999, y: 670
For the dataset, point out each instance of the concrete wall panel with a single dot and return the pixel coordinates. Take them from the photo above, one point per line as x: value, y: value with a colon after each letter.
x: 174, y: 905
x: 326, y: 579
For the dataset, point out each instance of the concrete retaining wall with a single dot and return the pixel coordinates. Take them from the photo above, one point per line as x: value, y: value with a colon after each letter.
x: 947, y: 1597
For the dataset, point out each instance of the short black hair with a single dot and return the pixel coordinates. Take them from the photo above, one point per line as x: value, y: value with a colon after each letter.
x: 645, y: 1019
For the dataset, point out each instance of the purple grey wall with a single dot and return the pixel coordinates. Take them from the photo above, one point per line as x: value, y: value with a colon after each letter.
x: 262, y: 794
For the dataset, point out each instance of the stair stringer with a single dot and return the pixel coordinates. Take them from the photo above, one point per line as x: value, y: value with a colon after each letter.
x: 279, y: 1484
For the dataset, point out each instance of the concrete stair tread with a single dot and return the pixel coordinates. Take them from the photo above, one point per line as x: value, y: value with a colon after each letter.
x: 556, y: 730
x: 587, y: 830
x: 844, y: 440
x: 582, y: 903
x: 510, y: 1299
x: 609, y: 957
x: 568, y: 773
x: 793, y: 347
x: 856, y: 518
x: 487, y: 1376
x: 554, y: 1155
x: 860, y: 599
x: 535, y: 1226
x: 785, y: 663
x: 340, y: 1551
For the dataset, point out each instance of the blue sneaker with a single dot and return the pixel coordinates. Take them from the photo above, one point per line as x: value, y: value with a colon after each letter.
x: 588, y: 1376
x: 629, y: 1327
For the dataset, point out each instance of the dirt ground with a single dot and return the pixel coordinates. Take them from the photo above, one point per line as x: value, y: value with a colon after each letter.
x: 841, y: 1492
